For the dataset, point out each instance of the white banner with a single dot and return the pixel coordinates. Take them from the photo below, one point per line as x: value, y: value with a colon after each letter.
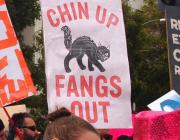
x: 86, y: 60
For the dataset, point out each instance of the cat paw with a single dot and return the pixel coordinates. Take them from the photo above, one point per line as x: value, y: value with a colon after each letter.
x: 68, y: 70
x: 91, y: 69
x: 102, y: 70
x: 83, y: 67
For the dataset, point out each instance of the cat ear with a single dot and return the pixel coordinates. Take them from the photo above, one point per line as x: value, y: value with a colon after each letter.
x: 108, y: 47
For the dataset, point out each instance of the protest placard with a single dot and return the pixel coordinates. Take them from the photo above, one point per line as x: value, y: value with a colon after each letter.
x: 168, y: 102
x: 86, y: 59
x: 15, y: 78
x: 11, y: 110
x: 173, y: 38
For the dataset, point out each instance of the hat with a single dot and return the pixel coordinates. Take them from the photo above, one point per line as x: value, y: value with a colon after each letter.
x: 157, y: 125
x: 1, y: 125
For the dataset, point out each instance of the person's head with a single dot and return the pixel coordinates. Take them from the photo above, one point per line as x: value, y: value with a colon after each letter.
x: 66, y: 126
x: 26, y: 126
x: 2, y: 133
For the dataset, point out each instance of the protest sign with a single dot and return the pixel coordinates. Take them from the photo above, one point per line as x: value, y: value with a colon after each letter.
x: 15, y: 78
x: 11, y: 110
x: 173, y: 36
x: 168, y: 102
x: 87, y: 67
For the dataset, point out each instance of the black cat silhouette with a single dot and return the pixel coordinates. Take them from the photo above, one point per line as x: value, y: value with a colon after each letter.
x: 81, y: 46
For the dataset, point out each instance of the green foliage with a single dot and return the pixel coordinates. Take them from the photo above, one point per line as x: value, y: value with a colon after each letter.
x: 147, y: 53
x: 37, y: 104
x: 23, y: 13
x: 40, y: 119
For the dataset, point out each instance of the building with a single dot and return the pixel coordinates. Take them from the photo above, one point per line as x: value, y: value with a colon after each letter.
x: 136, y: 4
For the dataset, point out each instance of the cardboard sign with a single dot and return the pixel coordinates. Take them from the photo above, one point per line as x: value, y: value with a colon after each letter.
x: 11, y: 110
x: 168, y: 102
x: 15, y: 78
x: 86, y: 60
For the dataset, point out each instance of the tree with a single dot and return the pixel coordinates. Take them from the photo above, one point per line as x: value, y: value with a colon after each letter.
x: 23, y: 13
x: 147, y: 53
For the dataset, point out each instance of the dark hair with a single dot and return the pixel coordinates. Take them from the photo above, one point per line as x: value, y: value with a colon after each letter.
x: 124, y: 137
x: 18, y: 118
x: 1, y: 125
x: 66, y: 126
x: 18, y: 121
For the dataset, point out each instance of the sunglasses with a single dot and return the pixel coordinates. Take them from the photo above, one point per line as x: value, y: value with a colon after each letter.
x: 106, y: 137
x: 110, y: 137
x: 32, y: 128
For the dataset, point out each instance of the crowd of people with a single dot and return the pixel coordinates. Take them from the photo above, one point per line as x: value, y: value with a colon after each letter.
x: 63, y: 125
